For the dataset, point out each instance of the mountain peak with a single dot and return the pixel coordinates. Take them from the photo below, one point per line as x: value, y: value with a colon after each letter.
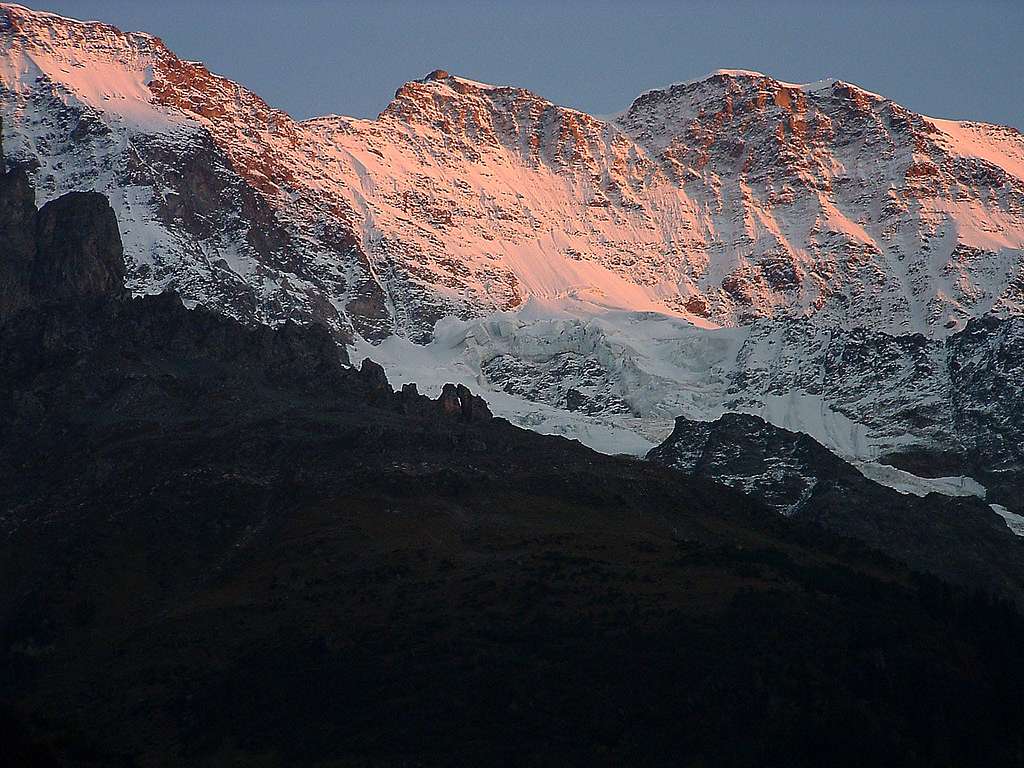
x: 736, y: 73
x: 429, y: 98
x: 460, y: 84
x: 744, y: 76
x: 14, y: 10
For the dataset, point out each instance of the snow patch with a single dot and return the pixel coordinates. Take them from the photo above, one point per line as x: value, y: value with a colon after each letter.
x: 911, y: 484
x: 477, y: 83
x: 1013, y: 521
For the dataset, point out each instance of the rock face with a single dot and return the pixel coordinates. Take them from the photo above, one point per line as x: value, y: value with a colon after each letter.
x: 782, y: 468
x: 66, y: 252
x: 78, y: 249
x: 65, y: 299
x: 962, y: 539
x: 457, y: 400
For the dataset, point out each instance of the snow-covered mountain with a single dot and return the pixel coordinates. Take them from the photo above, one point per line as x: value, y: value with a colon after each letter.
x: 721, y: 200
x: 811, y: 253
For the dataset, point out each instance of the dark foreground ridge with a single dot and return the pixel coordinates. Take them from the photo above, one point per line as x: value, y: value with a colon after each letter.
x: 221, y: 546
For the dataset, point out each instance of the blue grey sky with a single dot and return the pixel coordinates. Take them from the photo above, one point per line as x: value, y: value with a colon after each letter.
x: 311, y: 57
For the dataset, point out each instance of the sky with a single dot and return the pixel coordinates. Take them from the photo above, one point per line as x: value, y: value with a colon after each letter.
x: 959, y: 60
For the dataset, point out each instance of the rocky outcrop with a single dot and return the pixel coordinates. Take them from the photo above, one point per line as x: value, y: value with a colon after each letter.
x: 78, y: 250
x: 457, y: 400
x: 780, y: 467
x: 454, y: 402
x: 17, y: 239
x: 374, y: 377
x: 68, y: 251
x: 960, y: 539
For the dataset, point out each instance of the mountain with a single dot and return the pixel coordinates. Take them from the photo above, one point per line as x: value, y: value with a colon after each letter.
x: 221, y: 545
x: 720, y: 200
x: 813, y: 254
